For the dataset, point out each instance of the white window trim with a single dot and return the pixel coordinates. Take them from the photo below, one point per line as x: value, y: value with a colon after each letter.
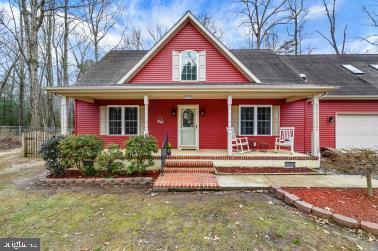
x: 122, y: 119
x: 255, y: 120
x: 196, y: 63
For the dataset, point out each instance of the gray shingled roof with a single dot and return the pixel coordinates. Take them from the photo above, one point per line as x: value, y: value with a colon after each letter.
x: 270, y: 68
x: 110, y: 68
x: 327, y: 70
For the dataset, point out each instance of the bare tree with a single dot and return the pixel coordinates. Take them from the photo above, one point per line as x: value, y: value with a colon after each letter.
x: 133, y: 41
x: 297, y: 15
x: 101, y: 16
x: 331, y: 15
x: 372, y: 16
x: 156, y: 32
x: 355, y: 161
x: 262, y: 17
x: 33, y: 13
x: 209, y: 22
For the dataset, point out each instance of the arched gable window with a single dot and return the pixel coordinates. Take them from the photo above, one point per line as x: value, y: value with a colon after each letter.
x: 189, y: 64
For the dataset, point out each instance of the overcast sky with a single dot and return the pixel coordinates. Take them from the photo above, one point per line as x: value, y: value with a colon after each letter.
x: 226, y: 13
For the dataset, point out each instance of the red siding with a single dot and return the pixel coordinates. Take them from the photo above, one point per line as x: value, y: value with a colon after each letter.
x: 330, y: 108
x: 294, y: 115
x: 212, y: 126
x: 218, y: 68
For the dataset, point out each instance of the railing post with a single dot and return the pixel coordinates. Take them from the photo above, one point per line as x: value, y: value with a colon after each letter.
x: 64, y: 115
x: 315, y: 149
x: 229, y: 125
x: 146, y: 103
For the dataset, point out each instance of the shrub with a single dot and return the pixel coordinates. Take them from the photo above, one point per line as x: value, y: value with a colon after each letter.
x: 360, y: 161
x: 139, y: 151
x: 110, y: 159
x: 51, y: 154
x: 80, y: 152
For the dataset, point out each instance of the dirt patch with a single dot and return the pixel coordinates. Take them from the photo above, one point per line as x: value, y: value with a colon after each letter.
x: 245, y: 170
x: 75, y: 173
x: 9, y: 143
x: 352, y: 202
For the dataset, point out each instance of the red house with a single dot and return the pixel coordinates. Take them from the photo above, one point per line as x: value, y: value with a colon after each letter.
x: 190, y: 87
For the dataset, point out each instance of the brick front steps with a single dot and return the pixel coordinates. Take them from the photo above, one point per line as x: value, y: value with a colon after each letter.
x: 186, y: 181
x: 175, y: 163
x: 189, y: 170
x: 95, y: 181
x: 306, y: 207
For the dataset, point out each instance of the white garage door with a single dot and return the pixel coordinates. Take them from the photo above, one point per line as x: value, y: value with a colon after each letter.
x: 357, y: 131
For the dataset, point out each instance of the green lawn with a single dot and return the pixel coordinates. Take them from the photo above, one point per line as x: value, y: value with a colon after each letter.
x: 118, y: 218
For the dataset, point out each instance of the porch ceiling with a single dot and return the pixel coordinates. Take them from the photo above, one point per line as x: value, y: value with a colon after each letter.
x: 289, y: 92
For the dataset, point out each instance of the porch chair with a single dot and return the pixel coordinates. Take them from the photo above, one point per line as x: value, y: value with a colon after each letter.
x: 239, y: 142
x: 286, y: 139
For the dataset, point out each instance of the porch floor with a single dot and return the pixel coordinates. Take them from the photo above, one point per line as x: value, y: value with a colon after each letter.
x: 223, y: 152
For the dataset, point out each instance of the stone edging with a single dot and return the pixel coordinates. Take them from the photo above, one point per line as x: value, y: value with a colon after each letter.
x: 96, y: 181
x: 306, y: 207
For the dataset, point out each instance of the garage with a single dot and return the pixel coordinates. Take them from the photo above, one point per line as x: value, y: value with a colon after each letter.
x: 357, y: 131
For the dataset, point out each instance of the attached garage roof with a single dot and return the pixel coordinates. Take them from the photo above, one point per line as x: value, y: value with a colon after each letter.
x: 328, y: 70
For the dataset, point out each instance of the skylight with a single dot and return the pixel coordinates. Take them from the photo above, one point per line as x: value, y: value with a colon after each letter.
x: 352, y: 69
x: 375, y: 66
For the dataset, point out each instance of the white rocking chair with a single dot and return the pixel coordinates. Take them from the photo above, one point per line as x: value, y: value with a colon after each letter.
x: 239, y: 142
x: 286, y: 139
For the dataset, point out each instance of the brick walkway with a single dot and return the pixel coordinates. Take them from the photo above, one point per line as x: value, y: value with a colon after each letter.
x: 186, y: 181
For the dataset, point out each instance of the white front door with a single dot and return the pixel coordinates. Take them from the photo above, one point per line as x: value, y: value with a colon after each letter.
x: 188, y: 126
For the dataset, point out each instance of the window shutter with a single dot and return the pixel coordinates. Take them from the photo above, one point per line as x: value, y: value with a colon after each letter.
x: 235, y: 118
x: 141, y: 120
x: 275, y: 120
x: 202, y: 66
x: 103, y: 120
x: 175, y: 66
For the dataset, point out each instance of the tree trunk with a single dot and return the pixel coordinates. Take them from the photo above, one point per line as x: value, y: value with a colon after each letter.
x: 21, y: 74
x: 65, y: 44
x: 369, y: 184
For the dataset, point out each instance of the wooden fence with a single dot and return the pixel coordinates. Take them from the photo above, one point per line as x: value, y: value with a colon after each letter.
x: 32, y: 140
x: 12, y: 131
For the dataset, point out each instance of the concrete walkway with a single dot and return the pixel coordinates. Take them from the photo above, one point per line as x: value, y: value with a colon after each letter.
x: 264, y: 181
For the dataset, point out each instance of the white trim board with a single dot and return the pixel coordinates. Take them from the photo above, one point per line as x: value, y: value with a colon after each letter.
x: 177, y: 27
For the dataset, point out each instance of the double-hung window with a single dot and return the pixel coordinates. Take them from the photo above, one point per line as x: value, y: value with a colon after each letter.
x: 189, y: 62
x: 123, y: 120
x: 255, y: 120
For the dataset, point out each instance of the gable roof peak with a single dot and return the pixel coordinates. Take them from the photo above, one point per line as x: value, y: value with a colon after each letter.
x: 188, y: 16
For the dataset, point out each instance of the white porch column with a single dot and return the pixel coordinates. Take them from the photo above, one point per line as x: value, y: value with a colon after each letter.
x: 229, y: 125
x: 315, y: 145
x: 64, y: 102
x: 146, y: 102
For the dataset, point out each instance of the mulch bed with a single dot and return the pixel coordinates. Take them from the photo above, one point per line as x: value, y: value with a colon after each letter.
x: 9, y: 143
x: 74, y: 173
x: 264, y: 170
x: 352, y: 202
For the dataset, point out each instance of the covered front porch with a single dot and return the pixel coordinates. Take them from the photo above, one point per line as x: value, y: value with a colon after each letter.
x: 215, y: 109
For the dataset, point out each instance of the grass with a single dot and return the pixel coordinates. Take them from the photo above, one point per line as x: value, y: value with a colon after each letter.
x: 131, y: 219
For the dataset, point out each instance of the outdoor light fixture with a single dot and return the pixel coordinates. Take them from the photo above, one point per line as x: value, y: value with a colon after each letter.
x: 173, y: 112
x: 331, y: 119
x: 203, y: 112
